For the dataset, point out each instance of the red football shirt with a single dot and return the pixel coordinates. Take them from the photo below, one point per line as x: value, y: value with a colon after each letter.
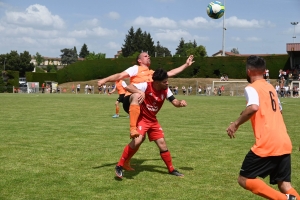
x: 153, y: 101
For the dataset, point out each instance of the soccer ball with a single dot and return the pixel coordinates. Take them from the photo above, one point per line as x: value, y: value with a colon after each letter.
x: 215, y: 9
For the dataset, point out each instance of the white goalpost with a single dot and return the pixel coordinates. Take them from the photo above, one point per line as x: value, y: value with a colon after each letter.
x: 229, y: 88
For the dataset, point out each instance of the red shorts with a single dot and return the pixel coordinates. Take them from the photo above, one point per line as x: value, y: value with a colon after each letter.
x: 153, y: 129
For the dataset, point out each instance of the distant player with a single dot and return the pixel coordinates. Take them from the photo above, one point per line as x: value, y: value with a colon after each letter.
x: 120, y: 86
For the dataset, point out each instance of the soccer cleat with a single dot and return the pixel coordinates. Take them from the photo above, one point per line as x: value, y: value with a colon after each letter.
x: 134, y: 134
x: 119, y: 171
x: 290, y: 197
x: 115, y: 116
x: 127, y: 166
x: 176, y: 173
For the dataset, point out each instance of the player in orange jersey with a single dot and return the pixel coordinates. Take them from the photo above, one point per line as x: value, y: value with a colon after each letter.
x: 120, y: 86
x: 271, y: 153
x: 139, y: 73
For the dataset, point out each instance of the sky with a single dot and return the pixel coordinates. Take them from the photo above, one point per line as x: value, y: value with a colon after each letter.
x: 47, y: 26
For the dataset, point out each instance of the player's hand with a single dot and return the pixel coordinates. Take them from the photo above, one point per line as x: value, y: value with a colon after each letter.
x: 101, y: 82
x: 141, y: 97
x: 190, y: 61
x: 182, y: 103
x: 232, y: 128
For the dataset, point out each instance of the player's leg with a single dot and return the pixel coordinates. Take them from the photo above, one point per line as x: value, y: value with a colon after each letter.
x: 282, y: 176
x: 254, y: 166
x: 129, y: 150
x: 134, y: 113
x: 165, y: 155
x: 117, y: 109
x: 156, y: 134
x: 134, y: 110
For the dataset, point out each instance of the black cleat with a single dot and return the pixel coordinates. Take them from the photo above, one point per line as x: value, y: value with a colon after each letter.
x: 119, y: 171
x: 176, y: 173
x: 290, y: 197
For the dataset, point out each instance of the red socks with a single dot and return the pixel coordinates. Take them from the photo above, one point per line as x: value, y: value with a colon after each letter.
x: 166, y: 157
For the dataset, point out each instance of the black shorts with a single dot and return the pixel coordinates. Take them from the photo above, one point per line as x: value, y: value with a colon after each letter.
x: 126, y: 103
x: 121, y: 98
x: 277, y: 167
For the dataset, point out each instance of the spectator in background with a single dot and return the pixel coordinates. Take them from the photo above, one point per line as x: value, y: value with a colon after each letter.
x: 219, y: 91
x: 176, y: 90
x: 100, y: 89
x: 43, y: 88
x: 183, y: 90
x: 222, y: 78
x: 226, y: 77
x: 78, y: 88
x: 108, y: 89
x: 222, y: 89
x: 90, y: 89
x: 73, y: 88
x: 104, y: 88
x: 190, y: 89
x: 267, y: 73
x: 86, y: 88
x: 199, y: 89
x: 277, y: 88
x: 287, y: 91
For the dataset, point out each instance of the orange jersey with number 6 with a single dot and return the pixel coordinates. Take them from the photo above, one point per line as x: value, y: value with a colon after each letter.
x: 271, y: 137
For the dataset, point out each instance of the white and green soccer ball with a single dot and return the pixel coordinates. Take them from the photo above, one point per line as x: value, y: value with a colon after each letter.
x: 215, y: 9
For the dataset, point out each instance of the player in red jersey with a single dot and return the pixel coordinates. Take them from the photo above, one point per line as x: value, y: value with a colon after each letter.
x: 155, y: 94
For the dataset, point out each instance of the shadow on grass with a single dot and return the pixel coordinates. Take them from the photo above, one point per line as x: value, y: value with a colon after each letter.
x: 137, y: 164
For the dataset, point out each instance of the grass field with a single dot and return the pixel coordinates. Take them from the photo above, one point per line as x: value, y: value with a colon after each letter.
x: 65, y: 146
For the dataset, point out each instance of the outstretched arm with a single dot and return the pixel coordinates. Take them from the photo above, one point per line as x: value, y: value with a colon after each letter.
x: 113, y: 78
x: 245, y: 116
x: 179, y: 103
x: 113, y: 90
x: 133, y: 89
x: 177, y: 70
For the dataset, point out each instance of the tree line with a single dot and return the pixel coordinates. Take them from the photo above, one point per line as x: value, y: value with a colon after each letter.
x: 135, y: 42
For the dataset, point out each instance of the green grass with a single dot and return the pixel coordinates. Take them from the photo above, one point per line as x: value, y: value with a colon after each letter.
x: 65, y: 146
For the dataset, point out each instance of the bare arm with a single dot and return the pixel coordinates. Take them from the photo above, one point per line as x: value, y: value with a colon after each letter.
x: 132, y: 89
x: 177, y: 70
x: 245, y: 116
x: 113, y: 78
x: 179, y: 103
x: 113, y: 90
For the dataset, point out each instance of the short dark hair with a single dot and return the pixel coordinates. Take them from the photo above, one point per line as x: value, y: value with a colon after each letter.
x: 256, y: 62
x: 160, y: 75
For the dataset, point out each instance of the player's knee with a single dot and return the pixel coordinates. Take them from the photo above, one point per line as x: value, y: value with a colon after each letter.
x: 242, y: 181
x: 284, y: 186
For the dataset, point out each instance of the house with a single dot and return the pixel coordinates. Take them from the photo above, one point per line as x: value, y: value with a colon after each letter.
x: 219, y: 53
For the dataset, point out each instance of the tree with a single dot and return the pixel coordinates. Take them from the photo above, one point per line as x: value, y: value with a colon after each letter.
x: 15, y: 62
x: 148, y: 44
x: 137, y: 42
x: 68, y: 56
x: 38, y: 58
x: 235, y: 51
x: 93, y: 56
x: 127, y: 48
x: 194, y: 44
x: 83, y: 52
x: 25, y: 63
x: 180, y: 48
x: 162, y: 51
x: 199, y: 51
x: 75, y: 50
